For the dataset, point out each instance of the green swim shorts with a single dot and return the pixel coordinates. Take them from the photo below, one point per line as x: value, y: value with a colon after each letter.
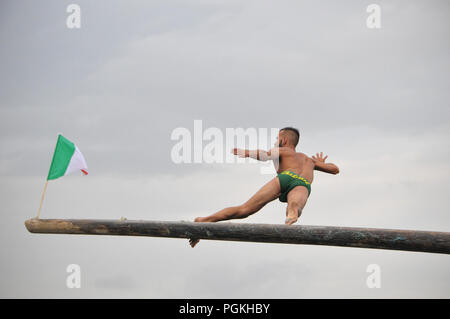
x: 288, y: 181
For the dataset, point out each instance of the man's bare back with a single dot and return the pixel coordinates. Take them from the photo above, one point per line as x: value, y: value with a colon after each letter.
x: 296, y: 162
x: 292, y: 185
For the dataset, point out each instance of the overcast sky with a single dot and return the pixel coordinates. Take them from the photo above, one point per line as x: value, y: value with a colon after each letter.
x: 374, y: 100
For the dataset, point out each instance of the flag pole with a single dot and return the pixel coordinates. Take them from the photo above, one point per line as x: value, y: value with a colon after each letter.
x: 42, y: 199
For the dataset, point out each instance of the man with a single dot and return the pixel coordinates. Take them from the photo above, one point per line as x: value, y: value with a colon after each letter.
x: 292, y: 185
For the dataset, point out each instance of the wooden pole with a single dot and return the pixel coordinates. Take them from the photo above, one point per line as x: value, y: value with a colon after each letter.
x: 407, y: 240
x: 42, y: 199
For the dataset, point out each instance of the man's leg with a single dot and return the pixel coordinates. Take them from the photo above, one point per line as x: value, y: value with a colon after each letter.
x: 266, y: 194
x: 296, y: 198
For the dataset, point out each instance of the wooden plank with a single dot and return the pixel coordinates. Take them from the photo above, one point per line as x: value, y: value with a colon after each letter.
x: 407, y: 240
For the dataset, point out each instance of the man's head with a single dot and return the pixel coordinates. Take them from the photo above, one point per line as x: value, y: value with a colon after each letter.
x: 288, y: 136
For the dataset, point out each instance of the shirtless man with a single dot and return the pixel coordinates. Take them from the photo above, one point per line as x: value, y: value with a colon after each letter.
x: 292, y: 185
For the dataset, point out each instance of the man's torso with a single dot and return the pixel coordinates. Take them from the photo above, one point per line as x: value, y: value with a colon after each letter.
x: 297, y: 163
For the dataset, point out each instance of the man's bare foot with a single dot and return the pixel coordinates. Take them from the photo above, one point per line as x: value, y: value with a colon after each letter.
x: 194, y: 241
x: 290, y: 220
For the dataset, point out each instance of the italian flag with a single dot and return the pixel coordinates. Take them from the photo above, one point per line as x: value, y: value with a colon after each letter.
x: 67, y: 158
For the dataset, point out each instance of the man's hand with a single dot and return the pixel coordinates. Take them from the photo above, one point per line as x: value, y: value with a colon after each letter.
x: 239, y: 152
x: 320, y: 165
x: 319, y: 157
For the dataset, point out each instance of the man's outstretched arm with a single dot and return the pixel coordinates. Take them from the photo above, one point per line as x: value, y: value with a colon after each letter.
x: 259, y: 155
x: 320, y: 164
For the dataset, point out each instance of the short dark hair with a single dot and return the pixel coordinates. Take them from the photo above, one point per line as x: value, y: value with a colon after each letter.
x: 292, y: 134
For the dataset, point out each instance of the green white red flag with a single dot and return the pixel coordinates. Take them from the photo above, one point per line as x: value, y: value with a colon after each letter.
x: 67, y: 158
